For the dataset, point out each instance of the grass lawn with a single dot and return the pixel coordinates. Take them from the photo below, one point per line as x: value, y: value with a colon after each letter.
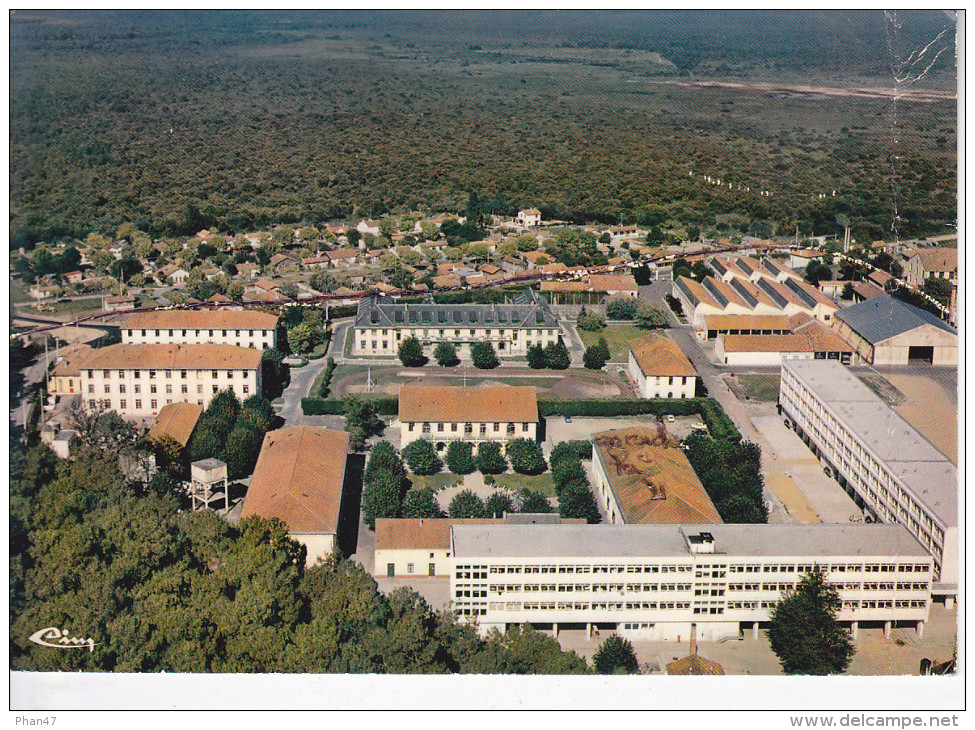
x: 435, y: 481
x: 617, y: 337
x: 764, y: 388
x: 19, y: 292
x: 537, y: 483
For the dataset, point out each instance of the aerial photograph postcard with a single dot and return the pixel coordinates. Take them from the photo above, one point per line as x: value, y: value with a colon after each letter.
x: 568, y: 359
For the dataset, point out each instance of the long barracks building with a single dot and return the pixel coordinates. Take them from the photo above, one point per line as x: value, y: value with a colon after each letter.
x: 656, y: 581
x: 382, y: 323
x: 888, y: 468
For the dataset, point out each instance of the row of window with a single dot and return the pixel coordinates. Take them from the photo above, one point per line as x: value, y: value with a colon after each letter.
x: 124, y: 404
x: 137, y: 389
x: 468, y: 428
x: 167, y: 374
x: 583, y: 569
x: 210, y: 333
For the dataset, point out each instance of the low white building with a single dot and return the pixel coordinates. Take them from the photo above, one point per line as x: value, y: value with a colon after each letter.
x: 654, y: 582
x: 240, y: 328
x: 661, y: 369
x: 483, y: 413
x: 530, y: 218
x: 138, y: 380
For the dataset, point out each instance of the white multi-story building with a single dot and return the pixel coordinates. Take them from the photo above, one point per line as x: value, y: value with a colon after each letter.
x: 138, y: 380
x: 660, y: 369
x: 889, y: 469
x: 240, y: 328
x: 656, y: 581
x: 381, y: 325
x: 483, y: 413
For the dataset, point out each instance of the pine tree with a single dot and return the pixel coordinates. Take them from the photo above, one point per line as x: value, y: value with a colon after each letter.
x: 804, y: 633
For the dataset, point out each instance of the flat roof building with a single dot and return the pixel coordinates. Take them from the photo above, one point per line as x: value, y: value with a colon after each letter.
x: 642, y: 476
x: 654, y: 581
x: 890, y: 470
x: 299, y: 478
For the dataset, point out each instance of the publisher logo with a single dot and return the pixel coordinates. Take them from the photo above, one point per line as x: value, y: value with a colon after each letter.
x: 58, y: 639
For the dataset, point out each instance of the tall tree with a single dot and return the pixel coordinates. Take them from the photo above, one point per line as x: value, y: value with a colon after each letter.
x: 490, y: 460
x: 421, y: 503
x: 525, y: 456
x: 498, y: 505
x: 446, y: 354
x: 422, y: 457
x: 534, y: 502
x: 804, y: 632
x: 459, y: 457
x: 483, y: 355
x: 410, y: 353
x: 556, y: 356
x: 615, y: 656
x: 536, y: 357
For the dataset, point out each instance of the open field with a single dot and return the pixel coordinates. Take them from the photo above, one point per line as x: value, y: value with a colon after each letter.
x: 618, y: 338
x: 761, y: 387
x: 542, y: 483
x: 387, y: 380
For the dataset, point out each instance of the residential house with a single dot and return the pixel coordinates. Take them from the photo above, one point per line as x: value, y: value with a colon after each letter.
x: 660, y: 369
x: 530, y: 217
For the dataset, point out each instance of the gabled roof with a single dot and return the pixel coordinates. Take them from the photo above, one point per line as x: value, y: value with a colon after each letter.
x: 697, y: 293
x: 527, y: 310
x: 936, y: 259
x: 299, y: 479
x: 177, y: 421
x: 747, y: 322
x: 652, y: 484
x: 201, y: 319
x: 882, y: 317
x: 611, y: 282
x: 659, y: 355
x: 173, y: 357
x: 435, y: 403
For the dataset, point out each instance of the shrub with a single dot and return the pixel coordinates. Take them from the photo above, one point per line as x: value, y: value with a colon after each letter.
x: 490, y: 460
x: 590, y: 321
x: 621, y: 306
x: 534, y: 502
x: 498, y: 504
x: 488, y: 479
x: 422, y: 457
x: 466, y: 504
x: 525, y: 456
x: 483, y: 356
x: 410, y: 353
x: 459, y: 457
x: 595, y: 357
x: 556, y: 356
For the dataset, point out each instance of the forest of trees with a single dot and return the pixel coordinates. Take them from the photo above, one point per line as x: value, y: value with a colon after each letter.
x: 249, y: 121
x: 159, y: 589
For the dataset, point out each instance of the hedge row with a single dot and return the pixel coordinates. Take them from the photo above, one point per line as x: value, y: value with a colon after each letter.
x: 384, y: 406
x: 619, y: 407
x: 720, y: 426
x: 323, y: 389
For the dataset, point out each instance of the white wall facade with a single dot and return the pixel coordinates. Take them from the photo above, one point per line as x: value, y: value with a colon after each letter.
x: 658, y: 598
x: 412, y: 563
x: 473, y: 431
x: 661, y: 386
x: 506, y: 340
x: 259, y: 339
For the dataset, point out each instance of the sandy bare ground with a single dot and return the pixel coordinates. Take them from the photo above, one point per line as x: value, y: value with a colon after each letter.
x: 920, y: 95
x: 931, y: 410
